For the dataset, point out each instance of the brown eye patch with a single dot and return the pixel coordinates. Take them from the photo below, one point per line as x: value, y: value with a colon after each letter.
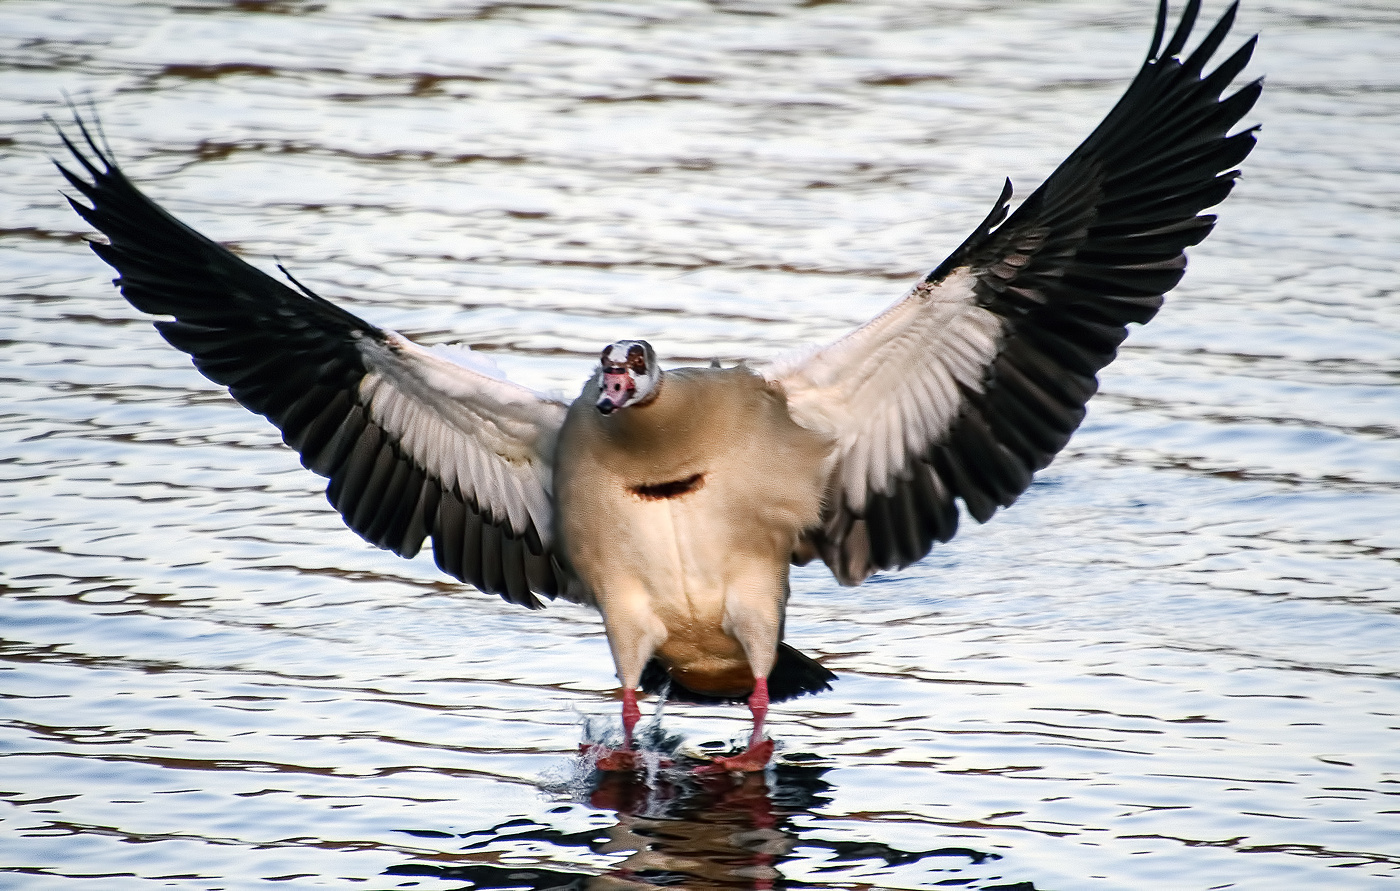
x: 636, y: 358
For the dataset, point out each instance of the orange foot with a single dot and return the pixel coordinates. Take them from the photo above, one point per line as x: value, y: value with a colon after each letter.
x: 751, y: 760
x: 609, y: 760
x: 617, y: 760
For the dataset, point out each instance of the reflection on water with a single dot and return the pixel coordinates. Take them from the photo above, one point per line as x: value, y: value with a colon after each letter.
x: 1172, y: 664
x: 715, y: 831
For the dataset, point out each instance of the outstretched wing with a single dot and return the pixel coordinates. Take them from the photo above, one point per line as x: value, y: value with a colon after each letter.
x: 977, y: 378
x: 414, y: 443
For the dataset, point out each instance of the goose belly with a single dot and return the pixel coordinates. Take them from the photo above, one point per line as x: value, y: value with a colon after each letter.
x: 691, y: 580
x: 715, y: 570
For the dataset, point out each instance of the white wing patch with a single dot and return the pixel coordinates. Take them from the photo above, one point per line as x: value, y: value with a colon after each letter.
x: 467, y: 426
x: 891, y: 388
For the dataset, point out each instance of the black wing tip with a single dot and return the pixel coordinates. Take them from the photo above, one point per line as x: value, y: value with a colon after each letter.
x: 93, y: 146
x: 299, y: 286
x: 102, y: 152
x: 1183, y: 30
x: 1159, y: 31
x: 1158, y: 54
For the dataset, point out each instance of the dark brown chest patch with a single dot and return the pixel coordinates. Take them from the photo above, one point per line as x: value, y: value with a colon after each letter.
x: 672, y: 489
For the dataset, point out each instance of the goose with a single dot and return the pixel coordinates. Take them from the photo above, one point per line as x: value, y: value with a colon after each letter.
x: 675, y: 500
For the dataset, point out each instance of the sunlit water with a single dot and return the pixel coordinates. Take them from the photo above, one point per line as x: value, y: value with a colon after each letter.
x: 1175, y: 663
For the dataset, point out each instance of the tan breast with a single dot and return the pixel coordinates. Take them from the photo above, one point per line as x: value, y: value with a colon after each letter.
x: 715, y: 449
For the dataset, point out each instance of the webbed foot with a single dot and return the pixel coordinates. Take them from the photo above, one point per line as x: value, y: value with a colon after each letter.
x: 751, y: 760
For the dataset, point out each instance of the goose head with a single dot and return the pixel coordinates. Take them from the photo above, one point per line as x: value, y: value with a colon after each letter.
x: 627, y: 375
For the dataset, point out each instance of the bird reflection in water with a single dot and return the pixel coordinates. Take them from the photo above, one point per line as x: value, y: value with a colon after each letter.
x: 684, y: 830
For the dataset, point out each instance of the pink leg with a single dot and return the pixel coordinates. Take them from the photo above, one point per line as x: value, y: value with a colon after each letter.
x: 758, y: 704
x: 631, y: 714
x: 623, y: 758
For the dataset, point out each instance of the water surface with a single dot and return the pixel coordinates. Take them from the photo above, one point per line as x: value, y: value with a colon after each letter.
x: 1172, y: 664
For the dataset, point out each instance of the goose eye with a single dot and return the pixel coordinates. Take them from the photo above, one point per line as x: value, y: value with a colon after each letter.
x: 636, y: 358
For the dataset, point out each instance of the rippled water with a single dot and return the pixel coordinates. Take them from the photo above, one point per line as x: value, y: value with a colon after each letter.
x: 1173, y: 664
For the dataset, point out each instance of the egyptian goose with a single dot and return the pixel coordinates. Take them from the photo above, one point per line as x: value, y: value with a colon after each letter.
x: 675, y: 500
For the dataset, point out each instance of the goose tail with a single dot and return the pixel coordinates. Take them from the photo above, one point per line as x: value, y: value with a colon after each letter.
x: 794, y: 675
